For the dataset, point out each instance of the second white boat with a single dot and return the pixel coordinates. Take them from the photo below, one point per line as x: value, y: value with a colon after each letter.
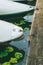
x: 9, y: 31
x: 13, y: 9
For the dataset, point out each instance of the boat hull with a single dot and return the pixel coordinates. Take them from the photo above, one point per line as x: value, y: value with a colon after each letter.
x: 9, y: 31
x: 10, y: 9
x: 13, y: 16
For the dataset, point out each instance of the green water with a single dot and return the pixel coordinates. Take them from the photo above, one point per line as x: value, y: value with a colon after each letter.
x: 20, y: 45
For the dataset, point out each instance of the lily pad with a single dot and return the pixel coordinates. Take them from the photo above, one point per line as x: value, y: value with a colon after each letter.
x: 6, y: 63
x: 26, y: 28
x: 22, y: 22
x: 18, y: 55
x: 9, y: 49
x: 13, y: 60
x: 3, y: 54
x: 0, y: 64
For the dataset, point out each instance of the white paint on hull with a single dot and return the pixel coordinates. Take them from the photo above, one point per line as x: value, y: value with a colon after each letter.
x: 9, y: 31
x: 10, y: 7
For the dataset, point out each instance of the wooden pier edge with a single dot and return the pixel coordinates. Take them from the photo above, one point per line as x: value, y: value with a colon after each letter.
x: 35, y: 40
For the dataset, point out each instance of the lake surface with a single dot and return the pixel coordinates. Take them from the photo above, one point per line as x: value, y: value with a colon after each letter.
x: 23, y: 44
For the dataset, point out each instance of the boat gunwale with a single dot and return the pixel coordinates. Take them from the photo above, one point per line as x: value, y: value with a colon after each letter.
x: 8, y: 41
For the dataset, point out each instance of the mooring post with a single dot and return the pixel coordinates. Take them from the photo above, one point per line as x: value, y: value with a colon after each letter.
x: 35, y: 56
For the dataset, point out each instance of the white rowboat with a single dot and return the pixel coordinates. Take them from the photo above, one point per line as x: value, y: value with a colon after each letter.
x: 10, y: 7
x: 9, y: 31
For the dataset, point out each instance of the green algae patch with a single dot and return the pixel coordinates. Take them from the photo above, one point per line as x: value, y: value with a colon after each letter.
x: 18, y: 55
x: 22, y: 22
x: 3, y: 54
x: 11, y: 55
x: 13, y: 60
x: 6, y: 63
x: 9, y: 49
x: 26, y: 28
x: 0, y: 64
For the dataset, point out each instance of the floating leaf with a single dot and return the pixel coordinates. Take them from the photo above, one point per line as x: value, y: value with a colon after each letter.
x: 9, y: 49
x: 18, y: 55
x: 6, y: 63
x: 0, y: 64
x: 13, y: 60
x: 22, y: 22
x: 3, y: 54
x: 26, y: 28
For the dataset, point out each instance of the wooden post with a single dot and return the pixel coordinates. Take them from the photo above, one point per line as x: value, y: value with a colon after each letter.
x: 35, y: 56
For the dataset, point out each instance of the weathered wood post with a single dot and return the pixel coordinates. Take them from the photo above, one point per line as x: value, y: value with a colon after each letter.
x: 35, y: 56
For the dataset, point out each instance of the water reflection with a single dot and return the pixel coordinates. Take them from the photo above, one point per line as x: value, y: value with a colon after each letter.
x: 28, y: 18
